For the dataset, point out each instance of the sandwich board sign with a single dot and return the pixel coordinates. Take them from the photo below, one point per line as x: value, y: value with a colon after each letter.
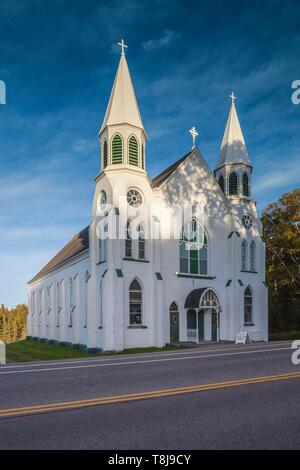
x: 2, y: 353
x: 242, y: 338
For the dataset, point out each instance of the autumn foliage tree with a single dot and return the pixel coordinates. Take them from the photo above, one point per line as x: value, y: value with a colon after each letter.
x: 281, y: 225
x: 13, y: 323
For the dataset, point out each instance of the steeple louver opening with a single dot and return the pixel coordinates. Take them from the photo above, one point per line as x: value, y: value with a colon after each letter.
x: 105, y: 154
x: 133, y: 151
x: 117, y: 150
x: 233, y: 184
x: 245, y: 185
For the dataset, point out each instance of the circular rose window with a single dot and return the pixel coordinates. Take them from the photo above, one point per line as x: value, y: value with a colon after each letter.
x: 134, y: 198
x: 247, y: 221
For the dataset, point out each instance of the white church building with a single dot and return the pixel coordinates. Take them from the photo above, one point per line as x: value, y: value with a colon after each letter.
x: 151, y: 284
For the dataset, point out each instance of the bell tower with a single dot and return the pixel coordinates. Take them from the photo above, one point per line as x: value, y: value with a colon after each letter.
x: 122, y: 134
x: 233, y: 169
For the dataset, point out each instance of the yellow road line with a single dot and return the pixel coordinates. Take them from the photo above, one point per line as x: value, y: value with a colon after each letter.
x: 142, y: 395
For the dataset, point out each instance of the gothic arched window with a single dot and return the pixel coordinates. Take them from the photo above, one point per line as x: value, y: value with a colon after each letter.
x: 193, y: 249
x: 105, y: 154
x: 133, y: 151
x: 117, y: 150
x: 245, y: 184
x: 252, y: 256
x: 135, y: 303
x: 141, y: 243
x: 244, y: 249
x: 221, y: 182
x: 233, y: 183
x: 248, y: 306
x: 128, y: 241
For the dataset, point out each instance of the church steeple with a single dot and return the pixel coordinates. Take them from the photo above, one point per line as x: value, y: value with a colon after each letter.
x: 122, y: 135
x: 234, y: 167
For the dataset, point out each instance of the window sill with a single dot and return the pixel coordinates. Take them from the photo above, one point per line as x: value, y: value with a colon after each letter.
x: 250, y: 272
x: 100, y: 262
x: 195, y: 276
x: 70, y: 326
x: 249, y: 324
x: 136, y: 327
x: 136, y: 259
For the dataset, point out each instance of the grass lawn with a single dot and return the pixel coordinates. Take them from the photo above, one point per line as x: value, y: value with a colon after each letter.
x: 28, y: 350
x: 284, y: 335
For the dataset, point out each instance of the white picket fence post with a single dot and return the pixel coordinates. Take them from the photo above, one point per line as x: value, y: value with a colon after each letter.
x: 2, y: 353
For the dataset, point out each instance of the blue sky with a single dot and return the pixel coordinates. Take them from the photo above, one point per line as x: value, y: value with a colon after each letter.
x: 59, y: 59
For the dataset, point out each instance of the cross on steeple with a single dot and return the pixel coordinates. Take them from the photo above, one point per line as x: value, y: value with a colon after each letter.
x: 194, y: 134
x: 233, y: 98
x: 123, y: 46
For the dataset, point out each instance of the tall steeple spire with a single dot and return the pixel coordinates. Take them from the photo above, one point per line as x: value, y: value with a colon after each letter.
x: 234, y: 168
x: 122, y: 135
x: 122, y: 106
x: 233, y: 148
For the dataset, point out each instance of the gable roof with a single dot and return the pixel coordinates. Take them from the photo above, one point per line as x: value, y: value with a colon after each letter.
x: 164, y: 175
x: 77, y: 245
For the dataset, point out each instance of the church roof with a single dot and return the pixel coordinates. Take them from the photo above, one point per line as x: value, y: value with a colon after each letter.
x: 233, y: 147
x: 122, y: 106
x: 164, y: 175
x: 77, y: 245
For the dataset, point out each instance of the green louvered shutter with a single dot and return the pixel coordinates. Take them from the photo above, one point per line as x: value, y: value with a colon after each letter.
x: 105, y: 154
x: 117, y: 150
x: 133, y: 151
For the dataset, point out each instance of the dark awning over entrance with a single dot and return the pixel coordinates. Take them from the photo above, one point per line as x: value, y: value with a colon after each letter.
x: 193, y: 299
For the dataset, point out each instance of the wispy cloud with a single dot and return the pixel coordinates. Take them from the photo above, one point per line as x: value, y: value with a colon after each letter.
x: 165, y: 40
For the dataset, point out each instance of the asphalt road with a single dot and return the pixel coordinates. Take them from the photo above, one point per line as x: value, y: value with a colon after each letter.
x: 242, y: 401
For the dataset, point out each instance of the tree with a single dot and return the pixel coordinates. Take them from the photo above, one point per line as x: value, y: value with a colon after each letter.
x: 13, y: 323
x: 281, y: 225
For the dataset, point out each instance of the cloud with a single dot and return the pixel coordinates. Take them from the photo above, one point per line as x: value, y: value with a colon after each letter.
x: 279, y: 177
x: 164, y: 41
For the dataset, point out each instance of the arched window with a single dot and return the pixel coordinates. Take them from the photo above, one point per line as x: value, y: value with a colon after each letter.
x: 221, y: 182
x: 133, y: 151
x: 117, y: 150
x: 128, y: 241
x: 101, y: 304
x: 143, y: 156
x: 142, y: 242
x: 248, y: 306
x: 59, y: 300
x: 252, y: 256
x: 105, y: 154
x: 245, y: 184
x: 194, y: 249
x: 135, y: 303
x: 233, y: 183
x: 244, y: 249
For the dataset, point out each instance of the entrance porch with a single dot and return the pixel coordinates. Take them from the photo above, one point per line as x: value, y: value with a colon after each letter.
x: 202, y: 316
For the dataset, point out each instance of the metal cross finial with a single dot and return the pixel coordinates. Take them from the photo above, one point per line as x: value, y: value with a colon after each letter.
x: 233, y: 98
x: 194, y: 134
x: 123, y: 46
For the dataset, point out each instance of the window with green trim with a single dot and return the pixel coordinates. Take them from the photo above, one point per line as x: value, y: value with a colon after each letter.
x: 117, y: 150
x: 105, y: 154
x: 233, y: 184
x: 133, y: 151
x: 245, y: 184
x: 193, y: 249
x: 248, y: 306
